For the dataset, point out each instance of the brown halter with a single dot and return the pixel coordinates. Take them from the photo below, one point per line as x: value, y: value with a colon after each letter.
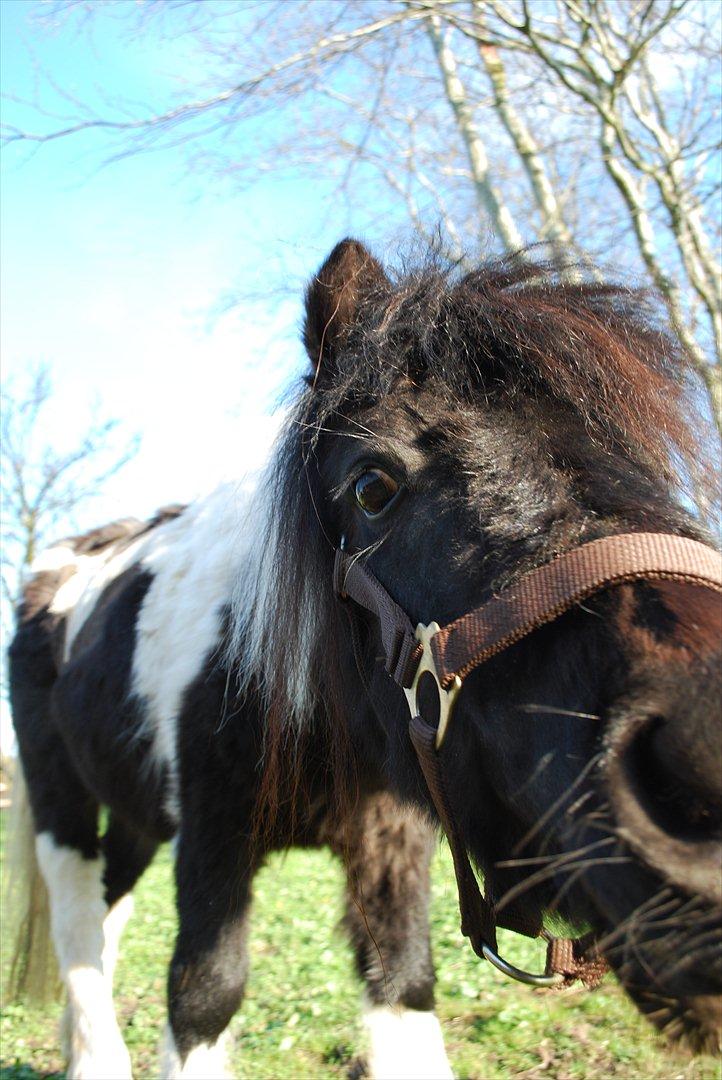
x: 450, y: 653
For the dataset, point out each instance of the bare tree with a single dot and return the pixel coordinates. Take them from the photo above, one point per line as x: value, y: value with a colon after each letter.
x: 656, y: 147
x: 588, y: 124
x: 42, y: 487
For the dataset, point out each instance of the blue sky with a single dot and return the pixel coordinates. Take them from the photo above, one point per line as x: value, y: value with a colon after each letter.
x: 151, y: 292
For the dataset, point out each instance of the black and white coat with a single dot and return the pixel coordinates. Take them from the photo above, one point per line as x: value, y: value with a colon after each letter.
x: 124, y: 697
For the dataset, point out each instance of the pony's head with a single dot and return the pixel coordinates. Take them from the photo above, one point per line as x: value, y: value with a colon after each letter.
x: 457, y: 431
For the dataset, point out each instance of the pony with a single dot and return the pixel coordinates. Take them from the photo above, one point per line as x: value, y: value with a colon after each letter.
x: 106, y: 712
x: 203, y: 677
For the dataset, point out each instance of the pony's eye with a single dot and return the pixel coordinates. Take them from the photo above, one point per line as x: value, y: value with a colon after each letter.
x: 374, y: 490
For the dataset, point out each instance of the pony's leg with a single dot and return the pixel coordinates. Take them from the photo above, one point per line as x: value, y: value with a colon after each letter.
x: 79, y: 917
x: 65, y: 819
x: 124, y: 857
x: 387, y: 851
x: 114, y: 924
x: 210, y: 963
x: 127, y: 854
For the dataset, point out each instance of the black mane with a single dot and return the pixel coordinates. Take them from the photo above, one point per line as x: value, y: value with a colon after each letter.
x: 513, y: 327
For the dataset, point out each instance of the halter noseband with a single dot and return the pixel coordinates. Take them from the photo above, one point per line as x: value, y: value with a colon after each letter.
x: 448, y: 654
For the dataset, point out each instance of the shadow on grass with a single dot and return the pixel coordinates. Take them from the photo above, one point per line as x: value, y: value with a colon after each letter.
x: 18, y: 1071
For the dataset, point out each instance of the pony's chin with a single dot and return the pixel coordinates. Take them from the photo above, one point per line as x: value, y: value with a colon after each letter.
x: 693, y: 1023
x: 683, y: 1002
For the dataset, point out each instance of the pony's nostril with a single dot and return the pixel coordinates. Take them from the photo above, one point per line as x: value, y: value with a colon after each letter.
x: 678, y: 785
x: 665, y: 802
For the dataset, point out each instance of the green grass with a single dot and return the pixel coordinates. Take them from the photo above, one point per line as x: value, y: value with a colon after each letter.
x: 300, y: 1015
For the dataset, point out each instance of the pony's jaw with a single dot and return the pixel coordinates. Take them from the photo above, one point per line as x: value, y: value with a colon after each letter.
x: 692, y: 1019
x: 659, y: 934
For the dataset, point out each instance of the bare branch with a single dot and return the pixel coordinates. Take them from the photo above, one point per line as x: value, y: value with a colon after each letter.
x: 553, y: 226
x: 588, y: 124
x: 43, y: 486
x: 488, y: 196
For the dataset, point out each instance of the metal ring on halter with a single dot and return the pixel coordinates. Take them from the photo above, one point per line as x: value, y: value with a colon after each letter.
x: 447, y: 698
x: 517, y: 973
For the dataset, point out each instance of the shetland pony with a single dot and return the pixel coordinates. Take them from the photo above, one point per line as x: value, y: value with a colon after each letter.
x: 200, y: 677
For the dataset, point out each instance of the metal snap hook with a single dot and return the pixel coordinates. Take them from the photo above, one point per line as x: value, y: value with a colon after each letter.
x: 424, y: 634
x: 519, y: 974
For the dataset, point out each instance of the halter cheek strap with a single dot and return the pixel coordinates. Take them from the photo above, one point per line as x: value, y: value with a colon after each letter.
x: 451, y: 653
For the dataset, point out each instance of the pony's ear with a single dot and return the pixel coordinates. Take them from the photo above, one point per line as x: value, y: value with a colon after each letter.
x: 333, y: 298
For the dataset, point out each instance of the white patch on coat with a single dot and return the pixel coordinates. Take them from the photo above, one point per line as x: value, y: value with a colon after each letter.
x: 93, y: 573
x: 195, y: 560
x: 405, y: 1044
x: 205, y: 1061
x: 114, y: 924
x: 77, y: 913
x: 220, y: 550
x: 71, y: 591
x: 53, y: 558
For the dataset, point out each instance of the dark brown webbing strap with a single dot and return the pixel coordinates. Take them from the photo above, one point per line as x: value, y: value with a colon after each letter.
x: 478, y: 917
x: 576, y: 958
x: 547, y: 592
x: 397, y: 634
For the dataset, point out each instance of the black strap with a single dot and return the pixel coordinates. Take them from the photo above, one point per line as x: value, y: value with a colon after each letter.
x: 352, y: 579
x: 479, y: 918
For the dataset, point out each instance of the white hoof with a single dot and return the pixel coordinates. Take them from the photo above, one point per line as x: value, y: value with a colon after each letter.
x: 405, y: 1044
x: 205, y: 1062
x: 110, y: 1063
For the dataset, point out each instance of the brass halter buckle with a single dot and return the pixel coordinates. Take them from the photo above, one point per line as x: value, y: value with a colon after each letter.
x: 447, y: 698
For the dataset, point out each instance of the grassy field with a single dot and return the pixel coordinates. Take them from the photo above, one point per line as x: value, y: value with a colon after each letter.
x: 300, y: 1016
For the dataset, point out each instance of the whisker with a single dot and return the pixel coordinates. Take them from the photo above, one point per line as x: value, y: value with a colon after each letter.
x: 664, y: 901
x: 559, y: 856
x: 674, y: 1028
x: 562, y: 861
x: 319, y: 430
x: 368, y: 550
x: 550, y: 871
x: 543, y: 763
x: 571, y: 810
x: 554, y: 710
x: 658, y: 1014
x: 702, y: 941
x: 362, y: 427
x: 570, y: 882
x: 549, y: 813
